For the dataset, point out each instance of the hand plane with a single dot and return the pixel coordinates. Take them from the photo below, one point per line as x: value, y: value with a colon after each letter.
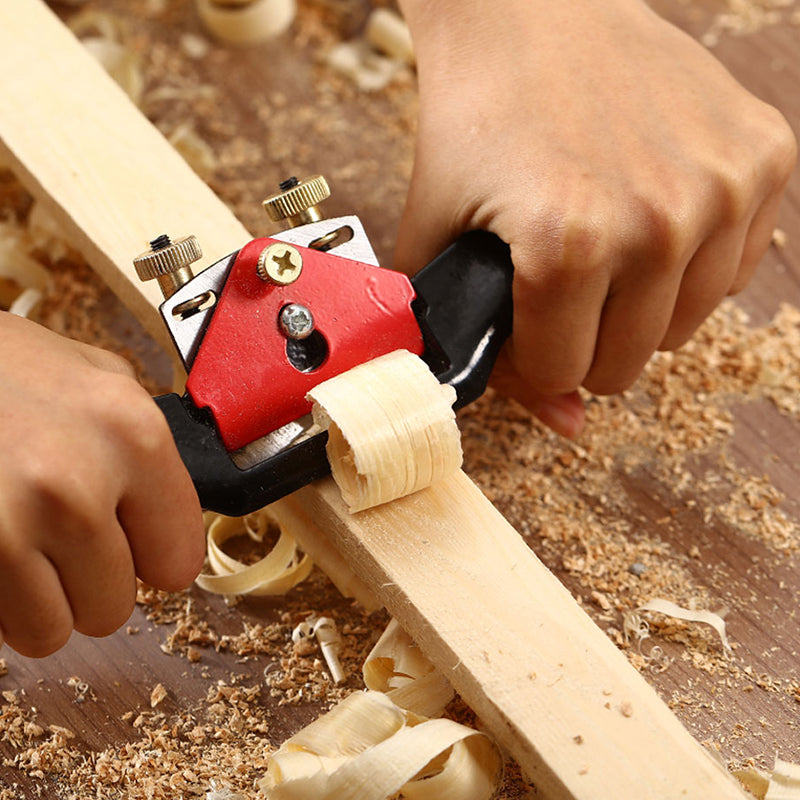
x: 262, y: 326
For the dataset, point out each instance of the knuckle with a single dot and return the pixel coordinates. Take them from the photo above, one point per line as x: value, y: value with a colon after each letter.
x: 571, y: 252
x: 775, y: 135
x: 734, y: 190
x: 110, y: 362
x: 585, y: 248
x: 133, y: 416
x: 62, y: 489
x: 784, y: 151
x: 46, y: 481
x: 657, y: 233
x: 762, y: 162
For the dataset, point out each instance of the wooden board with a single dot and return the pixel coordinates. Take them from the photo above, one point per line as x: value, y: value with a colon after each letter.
x: 74, y: 150
x: 712, y: 709
x: 533, y: 666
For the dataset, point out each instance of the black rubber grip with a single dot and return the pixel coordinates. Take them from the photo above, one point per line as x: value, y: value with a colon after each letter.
x: 465, y: 311
x: 220, y: 484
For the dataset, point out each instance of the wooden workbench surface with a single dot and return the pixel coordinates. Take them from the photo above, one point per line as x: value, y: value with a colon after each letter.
x: 686, y: 489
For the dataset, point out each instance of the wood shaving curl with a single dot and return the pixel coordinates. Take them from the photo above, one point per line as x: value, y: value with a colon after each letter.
x: 276, y: 573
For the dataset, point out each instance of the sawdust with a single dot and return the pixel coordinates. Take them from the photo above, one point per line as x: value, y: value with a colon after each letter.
x: 175, y: 754
x: 606, y: 512
x: 743, y: 17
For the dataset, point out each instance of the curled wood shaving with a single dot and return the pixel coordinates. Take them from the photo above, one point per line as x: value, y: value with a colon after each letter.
x: 385, y: 52
x: 357, y: 60
x: 367, y: 748
x: 387, y: 32
x: 661, y: 606
x: 636, y: 628
x: 391, y: 429
x: 26, y: 303
x: 782, y: 784
x: 330, y: 642
x: 382, y: 743
x: 121, y: 63
x: 277, y: 572
x: 396, y: 667
x: 16, y: 263
x: 224, y: 794
x: 246, y: 23
x: 785, y: 782
x: 195, y: 150
x: 100, y: 34
x: 46, y: 235
x: 23, y: 280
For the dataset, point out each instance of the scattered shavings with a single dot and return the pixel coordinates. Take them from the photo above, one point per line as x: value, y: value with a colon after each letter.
x: 158, y: 694
x: 743, y: 17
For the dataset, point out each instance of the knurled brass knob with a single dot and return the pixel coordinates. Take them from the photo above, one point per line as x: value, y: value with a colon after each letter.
x: 168, y: 262
x: 296, y: 203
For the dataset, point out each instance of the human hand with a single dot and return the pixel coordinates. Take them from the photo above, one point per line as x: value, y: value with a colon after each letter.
x: 636, y: 182
x: 92, y: 491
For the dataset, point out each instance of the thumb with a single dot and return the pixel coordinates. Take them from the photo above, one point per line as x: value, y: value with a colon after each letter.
x: 425, y: 231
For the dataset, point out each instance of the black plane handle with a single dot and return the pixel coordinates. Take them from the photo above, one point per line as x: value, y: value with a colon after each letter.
x: 464, y: 310
x: 220, y: 484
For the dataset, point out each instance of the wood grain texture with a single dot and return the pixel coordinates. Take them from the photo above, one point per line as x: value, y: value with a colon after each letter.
x: 78, y: 144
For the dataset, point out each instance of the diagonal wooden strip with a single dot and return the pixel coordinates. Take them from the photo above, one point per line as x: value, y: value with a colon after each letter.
x: 82, y: 147
x: 548, y: 684
x: 544, y: 679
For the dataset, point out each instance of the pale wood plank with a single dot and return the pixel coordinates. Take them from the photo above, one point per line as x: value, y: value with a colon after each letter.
x: 547, y: 682
x: 79, y: 145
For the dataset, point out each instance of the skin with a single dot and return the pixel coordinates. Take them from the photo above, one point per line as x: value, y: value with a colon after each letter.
x: 635, y: 180
x: 93, y: 492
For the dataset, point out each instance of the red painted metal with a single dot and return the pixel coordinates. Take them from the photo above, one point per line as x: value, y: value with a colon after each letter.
x: 241, y: 371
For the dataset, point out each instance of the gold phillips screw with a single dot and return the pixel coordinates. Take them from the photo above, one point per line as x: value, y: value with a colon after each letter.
x: 280, y: 264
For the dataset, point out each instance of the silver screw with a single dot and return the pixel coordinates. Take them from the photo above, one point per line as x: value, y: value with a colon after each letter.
x: 296, y: 321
